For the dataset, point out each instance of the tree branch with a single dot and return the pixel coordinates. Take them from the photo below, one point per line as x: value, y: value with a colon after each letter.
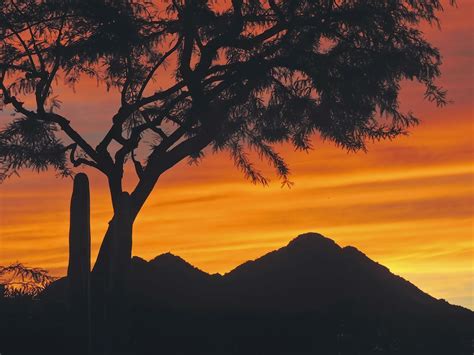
x: 77, y: 138
x: 158, y: 165
x: 125, y: 111
x: 77, y: 162
x: 33, y: 39
x: 156, y: 66
x: 9, y: 99
x: 137, y: 165
x: 25, y: 47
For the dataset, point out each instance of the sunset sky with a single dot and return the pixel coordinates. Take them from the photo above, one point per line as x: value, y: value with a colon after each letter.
x: 407, y: 204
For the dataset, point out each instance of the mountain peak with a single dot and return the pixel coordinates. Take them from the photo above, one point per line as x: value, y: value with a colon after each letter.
x: 313, y: 241
x: 169, y: 263
x: 167, y: 258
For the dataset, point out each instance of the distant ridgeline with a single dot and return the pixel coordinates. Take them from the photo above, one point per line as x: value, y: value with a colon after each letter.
x: 310, y: 297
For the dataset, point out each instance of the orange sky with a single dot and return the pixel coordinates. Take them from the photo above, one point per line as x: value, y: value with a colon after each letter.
x: 407, y: 204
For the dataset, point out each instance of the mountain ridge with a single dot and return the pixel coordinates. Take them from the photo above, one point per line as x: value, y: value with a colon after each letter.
x: 323, y: 272
x: 310, y: 296
x: 339, y: 272
x: 296, y: 241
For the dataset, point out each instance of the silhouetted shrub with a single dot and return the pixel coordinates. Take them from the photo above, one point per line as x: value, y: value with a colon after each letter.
x: 18, y: 280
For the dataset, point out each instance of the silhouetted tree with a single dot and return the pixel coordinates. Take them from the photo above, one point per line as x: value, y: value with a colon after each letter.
x: 193, y: 74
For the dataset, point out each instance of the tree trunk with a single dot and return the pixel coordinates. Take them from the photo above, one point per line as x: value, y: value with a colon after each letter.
x: 111, y: 268
x: 159, y: 162
x: 116, y: 244
x: 121, y: 243
x: 78, y: 273
x: 110, y: 275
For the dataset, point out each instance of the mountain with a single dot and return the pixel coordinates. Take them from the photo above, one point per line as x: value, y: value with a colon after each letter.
x: 314, y: 273
x: 168, y: 281
x: 309, y: 297
x: 311, y: 273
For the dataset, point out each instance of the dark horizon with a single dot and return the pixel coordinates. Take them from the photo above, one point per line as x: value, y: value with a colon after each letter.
x: 309, y: 296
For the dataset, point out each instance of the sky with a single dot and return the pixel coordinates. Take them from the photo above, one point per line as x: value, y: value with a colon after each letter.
x: 406, y: 203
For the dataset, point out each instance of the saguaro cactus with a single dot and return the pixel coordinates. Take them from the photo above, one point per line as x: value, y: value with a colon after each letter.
x: 79, y: 258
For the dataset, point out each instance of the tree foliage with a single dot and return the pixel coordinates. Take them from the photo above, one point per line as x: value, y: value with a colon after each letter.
x: 237, y: 76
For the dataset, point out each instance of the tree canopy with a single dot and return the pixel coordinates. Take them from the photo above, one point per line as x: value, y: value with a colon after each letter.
x: 234, y: 75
